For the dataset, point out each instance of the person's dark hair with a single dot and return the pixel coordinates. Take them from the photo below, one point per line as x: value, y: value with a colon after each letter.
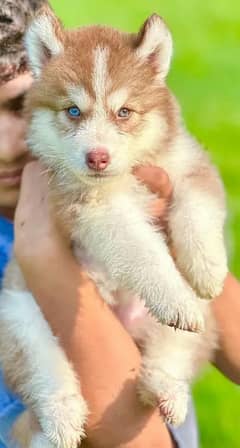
x: 14, y: 17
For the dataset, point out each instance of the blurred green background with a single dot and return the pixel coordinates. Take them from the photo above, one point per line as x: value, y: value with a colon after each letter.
x: 205, y: 77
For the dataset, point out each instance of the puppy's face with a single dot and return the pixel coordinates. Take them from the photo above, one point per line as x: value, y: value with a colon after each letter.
x: 99, y: 105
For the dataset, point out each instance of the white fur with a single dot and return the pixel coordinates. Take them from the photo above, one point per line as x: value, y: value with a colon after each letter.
x: 79, y: 96
x: 41, y: 35
x: 99, y: 78
x: 121, y: 250
x: 158, y: 39
x: 171, y: 358
x: 117, y: 99
x: 197, y: 229
x: 50, y: 387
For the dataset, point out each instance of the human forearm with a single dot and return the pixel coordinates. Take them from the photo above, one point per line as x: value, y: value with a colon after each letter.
x: 227, y: 312
x: 104, y: 357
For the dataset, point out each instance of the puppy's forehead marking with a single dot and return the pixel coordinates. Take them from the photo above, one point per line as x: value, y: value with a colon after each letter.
x: 79, y: 96
x: 117, y: 99
x: 100, y: 55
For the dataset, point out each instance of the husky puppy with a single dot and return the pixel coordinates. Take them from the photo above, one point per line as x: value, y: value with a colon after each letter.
x: 100, y: 106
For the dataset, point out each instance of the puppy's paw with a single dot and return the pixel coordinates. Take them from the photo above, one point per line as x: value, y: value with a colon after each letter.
x: 205, y: 273
x: 156, y: 388
x: 210, y: 281
x: 184, y: 314
x: 173, y: 407
x: 63, y: 421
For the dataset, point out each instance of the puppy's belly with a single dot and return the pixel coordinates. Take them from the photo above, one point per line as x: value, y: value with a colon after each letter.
x: 129, y: 309
x: 134, y: 316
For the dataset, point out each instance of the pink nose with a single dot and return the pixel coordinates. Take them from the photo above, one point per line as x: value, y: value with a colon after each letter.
x: 97, y: 159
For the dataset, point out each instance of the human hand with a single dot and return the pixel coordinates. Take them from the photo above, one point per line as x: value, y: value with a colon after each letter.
x: 158, y: 182
x: 37, y: 234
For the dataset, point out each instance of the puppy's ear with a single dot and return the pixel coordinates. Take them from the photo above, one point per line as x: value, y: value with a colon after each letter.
x: 44, y: 39
x: 154, y: 45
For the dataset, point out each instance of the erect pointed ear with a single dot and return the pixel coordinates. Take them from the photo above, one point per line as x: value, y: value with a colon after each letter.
x: 44, y: 39
x: 155, y: 45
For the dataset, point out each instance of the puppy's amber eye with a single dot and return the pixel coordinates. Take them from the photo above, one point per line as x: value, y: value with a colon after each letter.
x: 124, y: 112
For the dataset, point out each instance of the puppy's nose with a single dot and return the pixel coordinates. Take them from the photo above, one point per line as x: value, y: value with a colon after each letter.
x: 97, y: 159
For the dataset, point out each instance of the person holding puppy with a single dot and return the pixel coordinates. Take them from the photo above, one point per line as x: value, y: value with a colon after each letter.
x: 108, y: 366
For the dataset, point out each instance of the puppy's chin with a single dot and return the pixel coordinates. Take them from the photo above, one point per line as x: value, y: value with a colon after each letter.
x: 98, y: 179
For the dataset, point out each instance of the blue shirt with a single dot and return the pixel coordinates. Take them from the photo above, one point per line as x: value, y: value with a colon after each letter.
x: 10, y: 406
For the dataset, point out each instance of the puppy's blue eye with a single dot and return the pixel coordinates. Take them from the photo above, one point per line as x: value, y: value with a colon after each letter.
x: 74, y: 112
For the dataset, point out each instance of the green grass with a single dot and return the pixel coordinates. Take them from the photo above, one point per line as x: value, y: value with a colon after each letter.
x: 205, y: 77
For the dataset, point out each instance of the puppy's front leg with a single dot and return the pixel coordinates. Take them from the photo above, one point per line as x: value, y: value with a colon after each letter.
x: 196, y: 223
x: 136, y: 258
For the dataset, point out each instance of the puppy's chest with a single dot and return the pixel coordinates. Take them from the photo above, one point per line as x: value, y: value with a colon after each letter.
x: 129, y: 309
x: 92, y: 231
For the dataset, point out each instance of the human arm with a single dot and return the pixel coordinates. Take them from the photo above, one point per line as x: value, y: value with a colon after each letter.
x: 103, y: 354
x: 226, y: 307
x: 227, y: 312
